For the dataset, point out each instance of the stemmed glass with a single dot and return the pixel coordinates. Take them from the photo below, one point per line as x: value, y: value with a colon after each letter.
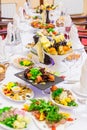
x: 67, y: 31
x: 73, y: 61
x: 12, y: 40
x: 68, y: 24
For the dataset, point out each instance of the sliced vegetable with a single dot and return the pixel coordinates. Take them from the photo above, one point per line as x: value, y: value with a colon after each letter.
x: 70, y: 119
x: 53, y: 127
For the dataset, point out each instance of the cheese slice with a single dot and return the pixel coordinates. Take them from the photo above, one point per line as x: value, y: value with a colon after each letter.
x: 40, y: 52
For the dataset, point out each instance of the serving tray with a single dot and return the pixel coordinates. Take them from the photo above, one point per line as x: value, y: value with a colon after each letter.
x: 41, y: 86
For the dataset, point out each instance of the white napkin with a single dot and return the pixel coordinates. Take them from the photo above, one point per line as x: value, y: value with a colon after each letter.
x: 13, y: 35
x: 1, y: 47
x: 74, y: 38
x: 68, y: 21
x: 26, y: 7
x: 16, y: 20
x: 21, y: 14
x: 9, y: 36
x: 83, y: 80
x: 2, y: 50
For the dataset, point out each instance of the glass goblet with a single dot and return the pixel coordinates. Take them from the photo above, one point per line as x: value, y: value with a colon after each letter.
x: 72, y: 61
x: 67, y: 31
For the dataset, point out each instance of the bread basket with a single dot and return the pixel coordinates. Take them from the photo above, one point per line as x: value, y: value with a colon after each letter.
x: 3, y: 68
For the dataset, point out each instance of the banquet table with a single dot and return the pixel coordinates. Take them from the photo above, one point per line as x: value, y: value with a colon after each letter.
x: 80, y: 123
x: 26, y: 37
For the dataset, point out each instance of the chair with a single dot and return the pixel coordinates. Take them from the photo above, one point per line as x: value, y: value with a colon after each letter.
x: 81, y: 23
x: 3, y: 25
x: 3, y: 33
x: 4, y: 22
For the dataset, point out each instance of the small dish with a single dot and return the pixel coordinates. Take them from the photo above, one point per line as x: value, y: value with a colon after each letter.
x: 64, y: 98
x: 19, y: 117
x: 23, y: 63
x: 45, y: 120
x: 16, y: 91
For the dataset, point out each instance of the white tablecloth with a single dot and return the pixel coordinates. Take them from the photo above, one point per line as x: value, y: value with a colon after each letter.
x: 79, y: 124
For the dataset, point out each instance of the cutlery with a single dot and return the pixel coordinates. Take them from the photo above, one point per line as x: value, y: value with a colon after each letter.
x: 82, y: 100
x: 35, y: 123
x: 70, y: 81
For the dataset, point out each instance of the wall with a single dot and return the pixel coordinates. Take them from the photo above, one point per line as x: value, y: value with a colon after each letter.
x: 73, y: 6
x: 18, y: 2
x: 21, y: 2
x: 85, y: 6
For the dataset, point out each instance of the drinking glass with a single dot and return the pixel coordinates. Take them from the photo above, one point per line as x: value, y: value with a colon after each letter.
x: 67, y: 24
x: 73, y: 61
x: 67, y: 31
x: 12, y: 40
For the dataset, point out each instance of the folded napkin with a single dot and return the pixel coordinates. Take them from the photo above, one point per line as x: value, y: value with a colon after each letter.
x: 16, y: 20
x: 9, y: 36
x: 13, y: 34
x: 83, y: 78
x: 26, y: 7
x: 2, y: 50
x: 1, y: 47
x: 68, y: 21
x: 21, y: 13
x: 75, y: 38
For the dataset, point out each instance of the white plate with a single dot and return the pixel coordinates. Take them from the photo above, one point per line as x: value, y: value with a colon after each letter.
x: 76, y: 90
x: 4, y: 127
x: 15, y: 62
x: 20, y: 101
x: 43, y: 126
x: 63, y: 106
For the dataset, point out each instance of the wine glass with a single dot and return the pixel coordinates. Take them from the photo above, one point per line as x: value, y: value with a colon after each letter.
x: 58, y: 66
x: 67, y: 30
x: 68, y: 24
x: 73, y: 61
x: 12, y: 40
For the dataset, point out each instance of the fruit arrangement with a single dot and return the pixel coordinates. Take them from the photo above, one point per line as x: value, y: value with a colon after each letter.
x: 56, y: 45
x: 40, y: 8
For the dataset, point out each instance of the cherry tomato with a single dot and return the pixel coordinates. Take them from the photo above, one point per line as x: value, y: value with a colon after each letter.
x: 70, y: 119
x: 53, y: 127
x: 53, y: 88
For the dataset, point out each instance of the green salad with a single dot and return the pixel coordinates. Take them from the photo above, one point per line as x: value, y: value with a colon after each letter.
x: 45, y: 110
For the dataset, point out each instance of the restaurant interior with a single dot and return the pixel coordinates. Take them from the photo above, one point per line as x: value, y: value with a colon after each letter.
x: 43, y: 64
